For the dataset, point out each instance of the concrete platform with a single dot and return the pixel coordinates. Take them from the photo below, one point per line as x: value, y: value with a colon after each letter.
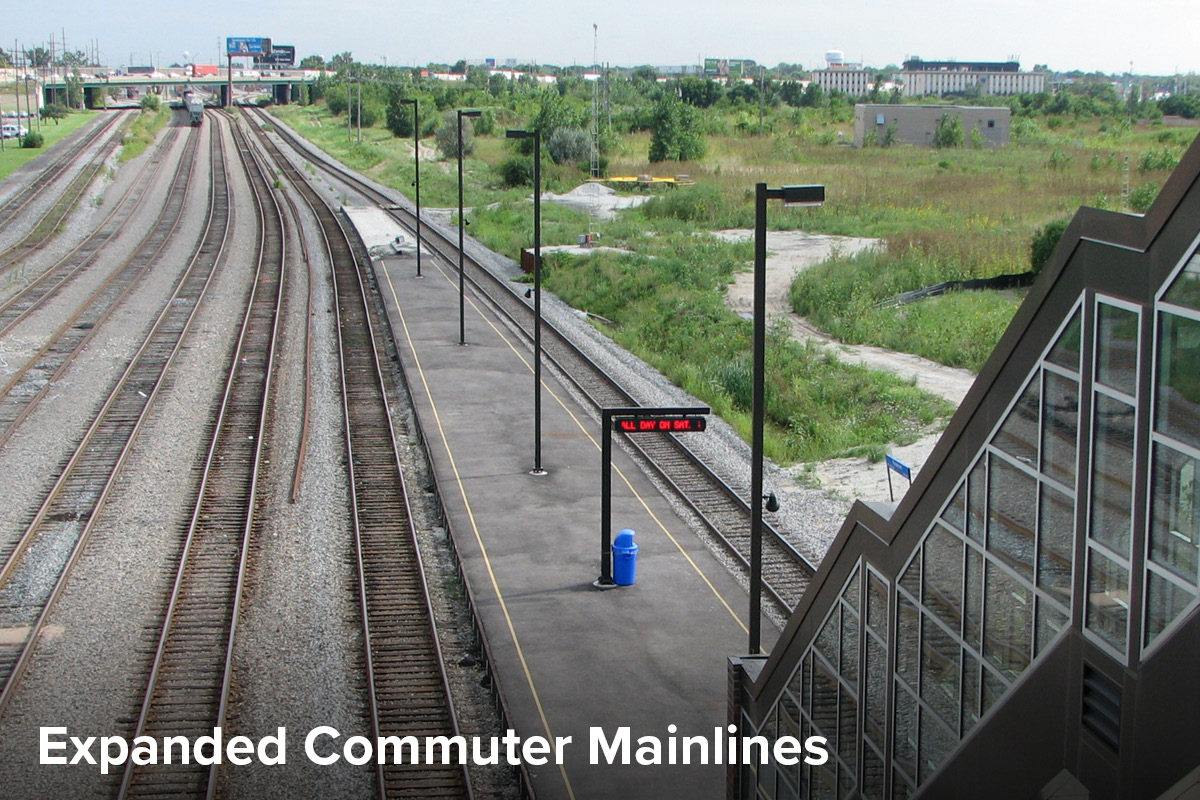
x: 570, y: 657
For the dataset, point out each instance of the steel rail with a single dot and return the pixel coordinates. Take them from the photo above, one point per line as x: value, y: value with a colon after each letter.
x: 196, y: 641
x: 120, y: 419
x: 408, y: 689
x: 60, y: 349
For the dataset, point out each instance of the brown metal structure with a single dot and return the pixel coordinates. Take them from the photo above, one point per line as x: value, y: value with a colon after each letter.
x: 1023, y: 623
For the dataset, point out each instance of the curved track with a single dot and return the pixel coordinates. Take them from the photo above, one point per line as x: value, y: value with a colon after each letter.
x: 68, y: 514
x: 407, y: 686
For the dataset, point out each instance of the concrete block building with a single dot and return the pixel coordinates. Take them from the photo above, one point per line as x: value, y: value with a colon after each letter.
x: 916, y: 124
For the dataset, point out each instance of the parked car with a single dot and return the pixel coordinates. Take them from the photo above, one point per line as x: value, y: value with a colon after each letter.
x: 10, y: 131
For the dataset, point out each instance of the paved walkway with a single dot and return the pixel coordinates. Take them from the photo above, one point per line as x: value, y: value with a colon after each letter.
x: 569, y: 657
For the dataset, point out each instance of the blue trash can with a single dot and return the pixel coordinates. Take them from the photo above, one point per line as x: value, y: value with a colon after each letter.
x: 624, y: 555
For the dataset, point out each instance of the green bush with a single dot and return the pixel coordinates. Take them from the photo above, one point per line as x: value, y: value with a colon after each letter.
x: 1043, y: 243
x: 1141, y: 198
x: 698, y: 203
x: 1158, y: 160
x: 516, y: 171
x: 150, y: 102
x: 32, y: 140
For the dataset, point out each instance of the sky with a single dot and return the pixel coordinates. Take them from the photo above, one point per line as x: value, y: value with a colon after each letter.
x: 1156, y: 36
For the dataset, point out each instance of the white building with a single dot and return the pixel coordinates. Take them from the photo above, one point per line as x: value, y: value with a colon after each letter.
x: 938, y: 78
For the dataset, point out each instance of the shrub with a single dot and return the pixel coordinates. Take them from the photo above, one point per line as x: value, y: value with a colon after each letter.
x: 516, y: 171
x: 568, y: 145
x: 150, y: 102
x: 949, y: 131
x: 1141, y: 198
x: 698, y: 203
x: 1041, y: 247
x: 32, y: 140
x: 447, y: 136
x: 1158, y: 160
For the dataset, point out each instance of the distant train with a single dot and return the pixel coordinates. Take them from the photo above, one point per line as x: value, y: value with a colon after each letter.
x: 194, y: 106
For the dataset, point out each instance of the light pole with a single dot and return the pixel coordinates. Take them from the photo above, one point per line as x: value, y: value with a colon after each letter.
x: 462, y: 324
x: 537, y: 293
x: 791, y: 196
x: 417, y: 169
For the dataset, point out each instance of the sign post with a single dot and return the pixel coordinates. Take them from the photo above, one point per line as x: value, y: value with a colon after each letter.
x: 633, y: 420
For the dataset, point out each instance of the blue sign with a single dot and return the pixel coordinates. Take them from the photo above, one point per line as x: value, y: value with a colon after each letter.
x: 899, y: 466
x: 247, y: 46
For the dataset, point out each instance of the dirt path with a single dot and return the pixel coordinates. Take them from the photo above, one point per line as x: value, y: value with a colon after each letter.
x: 789, y: 252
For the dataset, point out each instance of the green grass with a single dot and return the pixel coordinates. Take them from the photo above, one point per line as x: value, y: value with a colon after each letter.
x: 668, y: 309
x: 14, y: 156
x: 942, y: 215
x: 142, y: 132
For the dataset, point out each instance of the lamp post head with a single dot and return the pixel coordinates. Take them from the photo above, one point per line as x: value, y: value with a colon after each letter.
x: 519, y: 134
x: 803, y: 196
x: 408, y: 101
x: 469, y: 112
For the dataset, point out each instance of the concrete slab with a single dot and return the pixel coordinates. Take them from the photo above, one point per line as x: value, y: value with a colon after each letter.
x: 570, y: 657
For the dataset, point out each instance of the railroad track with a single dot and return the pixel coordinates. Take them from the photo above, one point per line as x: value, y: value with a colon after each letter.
x: 68, y: 515
x: 407, y: 687
x: 46, y: 285
x: 63, y: 160
x: 187, y: 692
x: 719, y: 506
x: 33, y: 381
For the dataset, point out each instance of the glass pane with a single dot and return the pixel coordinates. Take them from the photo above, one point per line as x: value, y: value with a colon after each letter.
x: 936, y: 744
x: 976, y: 493
x: 1056, y: 543
x: 1117, y: 348
x: 824, y: 781
x: 943, y: 575
x: 806, y: 698
x: 906, y: 731
x: 876, y: 692
x: 1012, y: 505
x: 1178, y: 384
x: 1112, y: 474
x: 824, y: 709
x: 973, y: 599
x: 993, y: 690
x: 848, y: 732
x: 1050, y: 622
x: 1008, y: 623
x: 1108, y: 599
x: 850, y: 595
x: 874, y: 772
x: 1175, y: 527
x: 1185, y: 290
x: 908, y: 634
x: 849, y: 654
x: 796, y: 684
x: 1018, y: 436
x: 939, y: 671
x: 1060, y: 428
x: 877, y: 605
x: 1164, y: 602
x: 956, y: 513
x: 911, y: 578
x: 1066, y: 351
x: 900, y: 788
x: 970, y: 692
x: 827, y: 639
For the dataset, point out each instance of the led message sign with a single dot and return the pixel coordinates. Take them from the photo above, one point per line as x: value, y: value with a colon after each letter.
x: 649, y: 424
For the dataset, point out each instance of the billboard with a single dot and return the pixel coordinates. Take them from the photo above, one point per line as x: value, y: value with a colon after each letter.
x: 247, y: 46
x: 281, y: 55
x: 728, y: 67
